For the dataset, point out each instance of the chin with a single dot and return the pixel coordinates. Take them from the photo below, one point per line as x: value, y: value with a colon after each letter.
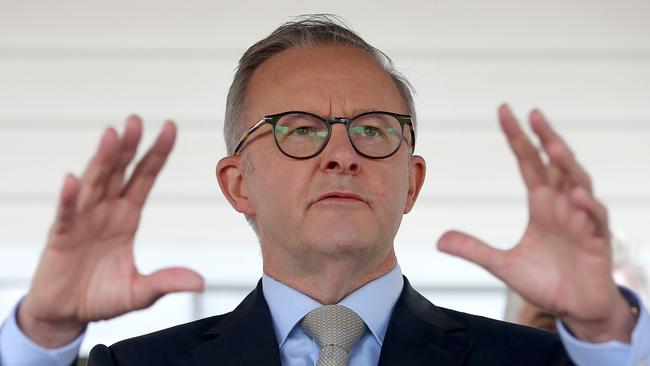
x: 343, y: 245
x: 339, y: 235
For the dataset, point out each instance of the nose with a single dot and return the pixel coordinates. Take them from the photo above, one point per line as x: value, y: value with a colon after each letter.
x: 339, y: 156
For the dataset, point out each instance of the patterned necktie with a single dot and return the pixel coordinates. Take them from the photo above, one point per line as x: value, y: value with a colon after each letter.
x: 335, y: 328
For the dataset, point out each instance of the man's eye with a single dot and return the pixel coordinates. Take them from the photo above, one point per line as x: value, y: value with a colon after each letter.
x: 367, y: 131
x: 297, y: 131
x: 304, y: 131
x: 371, y: 131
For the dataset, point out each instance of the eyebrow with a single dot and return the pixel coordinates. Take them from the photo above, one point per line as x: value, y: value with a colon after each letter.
x: 365, y: 110
x: 357, y: 112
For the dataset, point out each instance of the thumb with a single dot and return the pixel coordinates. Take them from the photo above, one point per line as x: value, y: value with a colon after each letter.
x: 150, y: 288
x: 472, y: 249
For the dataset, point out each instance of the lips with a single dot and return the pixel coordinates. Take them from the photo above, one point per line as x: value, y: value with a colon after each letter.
x: 342, y: 197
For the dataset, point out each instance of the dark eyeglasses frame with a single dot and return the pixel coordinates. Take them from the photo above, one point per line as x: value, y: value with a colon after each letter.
x: 274, y: 118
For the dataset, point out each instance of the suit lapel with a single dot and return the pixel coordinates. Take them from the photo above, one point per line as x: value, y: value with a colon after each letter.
x: 244, y: 337
x: 420, y: 334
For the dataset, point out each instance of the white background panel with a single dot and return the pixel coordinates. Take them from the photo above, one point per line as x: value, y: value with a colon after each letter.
x: 10, y: 294
x: 587, y: 91
x: 167, y: 312
x: 111, y: 88
x: 468, y: 24
x: 77, y: 88
x: 221, y: 301
x: 486, y: 303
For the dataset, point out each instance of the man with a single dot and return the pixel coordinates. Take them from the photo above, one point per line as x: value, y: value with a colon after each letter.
x: 320, y: 132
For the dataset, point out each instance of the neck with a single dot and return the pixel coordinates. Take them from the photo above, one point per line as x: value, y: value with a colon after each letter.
x: 328, y: 282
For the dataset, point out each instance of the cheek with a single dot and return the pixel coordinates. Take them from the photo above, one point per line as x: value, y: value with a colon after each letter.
x: 390, y: 192
x: 276, y: 190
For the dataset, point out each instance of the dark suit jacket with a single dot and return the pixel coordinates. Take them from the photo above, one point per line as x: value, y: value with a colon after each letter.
x: 419, y: 333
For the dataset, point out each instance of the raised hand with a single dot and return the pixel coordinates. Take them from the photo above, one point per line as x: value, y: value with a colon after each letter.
x: 87, y: 270
x: 563, y: 262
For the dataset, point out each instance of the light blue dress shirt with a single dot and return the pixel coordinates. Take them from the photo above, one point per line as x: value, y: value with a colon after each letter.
x: 613, y: 352
x: 18, y: 350
x: 373, y: 302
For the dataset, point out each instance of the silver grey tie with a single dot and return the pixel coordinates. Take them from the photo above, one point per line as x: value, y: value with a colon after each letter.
x: 335, y: 328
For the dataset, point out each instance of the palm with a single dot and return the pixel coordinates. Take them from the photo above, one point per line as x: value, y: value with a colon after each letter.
x: 87, y: 270
x: 100, y: 249
x: 558, y: 244
x: 563, y: 262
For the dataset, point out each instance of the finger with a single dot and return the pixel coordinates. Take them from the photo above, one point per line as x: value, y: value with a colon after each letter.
x: 558, y: 151
x: 150, y: 288
x: 472, y: 249
x: 94, y: 179
x: 597, y: 211
x: 530, y: 163
x: 560, y: 156
x: 581, y: 224
x: 128, y: 148
x: 66, y: 211
x: 145, y: 173
x: 557, y: 179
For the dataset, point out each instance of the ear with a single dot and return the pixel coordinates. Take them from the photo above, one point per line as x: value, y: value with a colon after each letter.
x: 417, y: 171
x: 231, y: 174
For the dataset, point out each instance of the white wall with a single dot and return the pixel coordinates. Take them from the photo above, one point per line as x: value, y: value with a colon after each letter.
x: 70, y: 68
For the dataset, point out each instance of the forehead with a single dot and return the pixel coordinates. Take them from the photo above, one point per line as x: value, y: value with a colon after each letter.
x: 329, y: 80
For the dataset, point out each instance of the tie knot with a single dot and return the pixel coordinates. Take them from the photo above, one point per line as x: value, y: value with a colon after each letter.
x: 334, y: 325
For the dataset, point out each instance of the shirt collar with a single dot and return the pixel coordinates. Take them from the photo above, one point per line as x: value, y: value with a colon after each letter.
x: 374, y: 303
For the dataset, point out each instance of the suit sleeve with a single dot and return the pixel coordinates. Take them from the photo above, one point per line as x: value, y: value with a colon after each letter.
x: 101, y: 355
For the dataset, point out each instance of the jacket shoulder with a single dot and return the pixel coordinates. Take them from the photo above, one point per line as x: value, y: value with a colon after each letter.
x: 155, y: 348
x: 496, y: 338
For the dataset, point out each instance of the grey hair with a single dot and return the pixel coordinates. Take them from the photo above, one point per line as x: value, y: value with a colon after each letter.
x: 305, y: 32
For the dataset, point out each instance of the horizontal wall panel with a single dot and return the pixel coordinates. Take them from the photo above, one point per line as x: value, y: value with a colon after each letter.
x: 105, y: 90
x: 490, y: 304
x: 9, y: 296
x: 112, y: 89
x: 600, y: 24
x: 584, y: 90
x: 480, y: 164
x: 167, y: 312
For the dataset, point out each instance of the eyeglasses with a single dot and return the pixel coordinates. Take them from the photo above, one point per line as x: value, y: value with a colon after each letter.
x: 302, y: 135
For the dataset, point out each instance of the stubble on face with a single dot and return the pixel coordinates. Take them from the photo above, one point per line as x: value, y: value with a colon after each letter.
x: 304, y: 233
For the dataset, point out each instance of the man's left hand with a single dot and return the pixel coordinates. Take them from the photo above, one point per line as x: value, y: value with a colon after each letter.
x: 563, y: 263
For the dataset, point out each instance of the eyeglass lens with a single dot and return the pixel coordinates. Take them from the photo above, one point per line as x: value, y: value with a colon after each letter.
x: 303, y: 135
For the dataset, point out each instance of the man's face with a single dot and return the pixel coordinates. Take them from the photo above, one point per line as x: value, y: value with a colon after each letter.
x: 338, y: 203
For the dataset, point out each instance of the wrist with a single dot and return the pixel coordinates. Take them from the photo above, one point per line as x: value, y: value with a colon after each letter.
x: 47, y: 333
x: 617, y: 326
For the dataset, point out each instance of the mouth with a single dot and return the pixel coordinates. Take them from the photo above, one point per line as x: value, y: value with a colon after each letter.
x: 340, y: 198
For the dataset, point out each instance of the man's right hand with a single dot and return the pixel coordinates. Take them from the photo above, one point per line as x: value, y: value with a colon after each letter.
x: 87, y: 270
